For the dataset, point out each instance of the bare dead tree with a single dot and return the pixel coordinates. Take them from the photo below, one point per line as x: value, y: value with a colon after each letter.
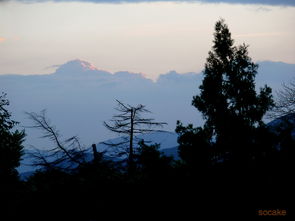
x: 285, y: 103
x: 129, y: 122
x: 67, y: 154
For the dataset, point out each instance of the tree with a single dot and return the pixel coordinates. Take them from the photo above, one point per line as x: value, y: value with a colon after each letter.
x: 130, y: 122
x: 228, y: 101
x: 66, y: 154
x: 153, y: 165
x: 283, y: 125
x: 11, y: 147
x: 190, y: 138
x: 285, y: 103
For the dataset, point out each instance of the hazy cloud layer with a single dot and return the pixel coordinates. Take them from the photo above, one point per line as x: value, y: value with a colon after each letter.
x: 79, y: 98
x: 264, y: 2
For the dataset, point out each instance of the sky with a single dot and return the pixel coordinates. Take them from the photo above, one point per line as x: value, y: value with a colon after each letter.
x: 148, y: 37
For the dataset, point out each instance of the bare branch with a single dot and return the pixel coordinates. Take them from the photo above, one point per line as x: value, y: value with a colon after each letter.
x: 129, y: 121
x: 285, y: 103
x: 69, y: 151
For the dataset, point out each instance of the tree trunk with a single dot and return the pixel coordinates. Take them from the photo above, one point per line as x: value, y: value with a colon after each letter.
x: 131, y: 144
x: 95, y: 153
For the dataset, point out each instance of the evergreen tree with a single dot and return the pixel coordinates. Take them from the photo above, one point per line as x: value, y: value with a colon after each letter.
x: 230, y: 105
x: 11, y: 148
x: 153, y: 165
x: 194, y: 146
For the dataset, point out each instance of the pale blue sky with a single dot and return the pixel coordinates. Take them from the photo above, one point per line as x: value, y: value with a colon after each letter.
x: 151, y: 38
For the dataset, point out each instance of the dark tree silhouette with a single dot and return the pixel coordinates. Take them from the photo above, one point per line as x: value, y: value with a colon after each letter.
x: 11, y: 148
x: 285, y: 102
x: 130, y: 122
x: 153, y: 165
x: 190, y: 138
x: 230, y: 105
x: 283, y: 125
x: 66, y: 154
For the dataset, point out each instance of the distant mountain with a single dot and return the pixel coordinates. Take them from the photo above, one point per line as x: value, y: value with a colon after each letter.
x: 77, y: 67
x: 173, y: 77
x: 274, y: 74
x: 82, y: 70
x: 165, y: 139
x: 79, y: 97
x: 284, y: 123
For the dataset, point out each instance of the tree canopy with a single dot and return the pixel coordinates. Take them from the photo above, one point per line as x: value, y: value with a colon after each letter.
x: 228, y: 100
x: 11, y: 148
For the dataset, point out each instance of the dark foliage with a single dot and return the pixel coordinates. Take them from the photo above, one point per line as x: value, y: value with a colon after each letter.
x: 152, y: 165
x: 195, y: 147
x: 230, y: 105
x: 11, y: 151
x: 11, y: 148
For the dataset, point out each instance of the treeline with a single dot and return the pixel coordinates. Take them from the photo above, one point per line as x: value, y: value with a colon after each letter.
x: 233, y: 165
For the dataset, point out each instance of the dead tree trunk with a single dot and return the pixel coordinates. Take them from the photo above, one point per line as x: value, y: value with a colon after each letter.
x: 130, y: 122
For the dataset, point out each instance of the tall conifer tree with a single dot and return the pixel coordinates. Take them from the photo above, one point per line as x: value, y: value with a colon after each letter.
x: 228, y: 100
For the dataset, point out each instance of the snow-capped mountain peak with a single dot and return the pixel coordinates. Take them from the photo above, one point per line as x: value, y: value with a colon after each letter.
x: 76, y: 66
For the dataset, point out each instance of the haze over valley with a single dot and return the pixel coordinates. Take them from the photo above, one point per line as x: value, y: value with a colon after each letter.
x: 78, y: 97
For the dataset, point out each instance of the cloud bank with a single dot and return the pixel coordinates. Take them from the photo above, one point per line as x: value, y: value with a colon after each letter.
x: 263, y: 2
x: 79, y: 98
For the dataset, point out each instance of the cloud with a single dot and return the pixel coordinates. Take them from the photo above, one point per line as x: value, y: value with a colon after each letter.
x: 263, y: 9
x: 262, y: 2
x: 2, y: 39
x: 52, y: 66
